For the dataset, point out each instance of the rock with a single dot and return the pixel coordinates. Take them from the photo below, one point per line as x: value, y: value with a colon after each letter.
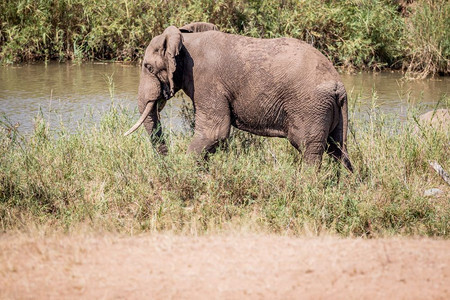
x: 433, y: 192
x: 438, y: 119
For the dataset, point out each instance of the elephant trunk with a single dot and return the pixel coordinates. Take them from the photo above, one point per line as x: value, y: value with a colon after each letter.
x: 149, y: 97
x: 144, y: 115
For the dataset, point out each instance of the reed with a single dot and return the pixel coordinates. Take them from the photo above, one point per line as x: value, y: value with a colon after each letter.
x: 428, y: 46
x: 354, y: 34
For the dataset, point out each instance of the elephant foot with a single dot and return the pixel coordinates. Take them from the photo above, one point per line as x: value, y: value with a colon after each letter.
x: 162, y: 149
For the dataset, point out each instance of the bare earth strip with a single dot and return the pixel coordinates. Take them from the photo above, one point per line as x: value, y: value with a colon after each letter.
x: 225, y: 267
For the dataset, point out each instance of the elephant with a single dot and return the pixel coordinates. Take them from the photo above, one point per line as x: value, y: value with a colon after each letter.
x: 198, y: 27
x: 279, y: 87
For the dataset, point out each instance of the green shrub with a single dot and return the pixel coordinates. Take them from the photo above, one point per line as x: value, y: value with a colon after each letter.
x: 428, y: 39
x: 352, y: 33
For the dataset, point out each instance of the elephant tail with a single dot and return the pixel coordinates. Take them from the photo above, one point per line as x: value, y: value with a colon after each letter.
x: 337, y: 139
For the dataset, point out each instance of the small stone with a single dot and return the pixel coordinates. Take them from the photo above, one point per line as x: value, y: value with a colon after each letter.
x: 432, y: 192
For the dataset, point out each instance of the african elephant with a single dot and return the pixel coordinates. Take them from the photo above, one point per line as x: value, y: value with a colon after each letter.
x: 271, y: 87
x: 198, y: 27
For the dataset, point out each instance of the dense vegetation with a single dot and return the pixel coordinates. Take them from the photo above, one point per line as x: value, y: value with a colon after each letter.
x: 95, y: 178
x: 409, y: 35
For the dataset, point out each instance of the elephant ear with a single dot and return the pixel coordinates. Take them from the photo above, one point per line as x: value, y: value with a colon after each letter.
x: 173, y: 42
x: 198, y: 27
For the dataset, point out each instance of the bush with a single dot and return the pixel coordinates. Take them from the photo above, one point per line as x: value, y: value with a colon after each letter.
x: 428, y: 39
x: 369, y: 34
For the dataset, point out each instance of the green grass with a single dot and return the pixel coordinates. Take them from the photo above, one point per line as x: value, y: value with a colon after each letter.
x: 429, y: 39
x: 96, y: 178
x: 354, y: 34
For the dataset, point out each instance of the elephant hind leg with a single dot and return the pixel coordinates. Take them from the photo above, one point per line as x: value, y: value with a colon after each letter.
x: 313, y: 153
x: 310, y: 146
x: 336, y: 149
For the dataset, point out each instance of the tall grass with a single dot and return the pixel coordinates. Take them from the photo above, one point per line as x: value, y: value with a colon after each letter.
x: 369, y: 34
x: 97, y: 177
x: 428, y: 39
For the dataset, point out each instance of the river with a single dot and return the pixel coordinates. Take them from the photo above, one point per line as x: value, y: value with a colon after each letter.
x: 66, y: 93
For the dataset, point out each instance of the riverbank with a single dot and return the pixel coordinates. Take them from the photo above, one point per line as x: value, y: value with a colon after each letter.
x: 373, y: 34
x: 94, y: 177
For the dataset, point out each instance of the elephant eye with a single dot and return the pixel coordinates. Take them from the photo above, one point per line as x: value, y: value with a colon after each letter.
x: 148, y: 67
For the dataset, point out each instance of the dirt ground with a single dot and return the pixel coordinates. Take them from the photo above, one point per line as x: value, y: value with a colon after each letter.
x: 225, y: 267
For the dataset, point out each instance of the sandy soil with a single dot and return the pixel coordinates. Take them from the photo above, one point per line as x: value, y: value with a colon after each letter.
x: 225, y: 267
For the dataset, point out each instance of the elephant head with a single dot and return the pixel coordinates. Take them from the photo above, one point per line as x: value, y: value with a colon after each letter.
x: 198, y: 27
x: 157, y: 83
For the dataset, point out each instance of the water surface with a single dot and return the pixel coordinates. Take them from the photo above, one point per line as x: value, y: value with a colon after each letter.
x: 67, y: 92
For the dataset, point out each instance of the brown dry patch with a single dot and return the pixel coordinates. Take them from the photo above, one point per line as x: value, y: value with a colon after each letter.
x: 230, y: 267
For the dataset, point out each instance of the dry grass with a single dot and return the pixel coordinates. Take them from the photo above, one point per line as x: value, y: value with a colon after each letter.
x: 96, y: 178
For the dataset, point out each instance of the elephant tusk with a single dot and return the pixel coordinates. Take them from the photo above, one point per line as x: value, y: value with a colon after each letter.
x: 144, y: 115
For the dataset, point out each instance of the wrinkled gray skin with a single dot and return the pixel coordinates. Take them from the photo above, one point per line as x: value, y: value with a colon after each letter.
x: 270, y: 87
x: 198, y: 27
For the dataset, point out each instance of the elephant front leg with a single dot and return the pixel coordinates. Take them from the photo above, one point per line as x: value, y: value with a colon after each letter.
x: 210, y: 130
